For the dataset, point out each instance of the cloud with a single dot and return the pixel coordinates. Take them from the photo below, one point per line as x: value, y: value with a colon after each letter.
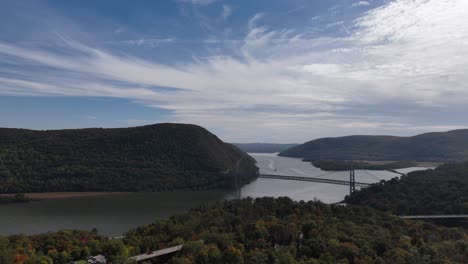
x: 334, y: 24
x: 89, y: 117
x: 197, y: 2
x: 226, y: 12
x: 253, y: 21
x: 151, y: 42
x: 120, y: 30
x: 296, y: 9
x: 280, y: 83
x: 360, y: 3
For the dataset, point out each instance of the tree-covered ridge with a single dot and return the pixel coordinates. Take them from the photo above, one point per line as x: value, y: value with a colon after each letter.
x: 154, y: 157
x: 334, y: 165
x: 440, y: 191
x: 438, y: 147
x: 264, y: 230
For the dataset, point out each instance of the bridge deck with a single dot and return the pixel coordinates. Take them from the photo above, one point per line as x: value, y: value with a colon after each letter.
x: 311, y: 179
x: 156, y: 253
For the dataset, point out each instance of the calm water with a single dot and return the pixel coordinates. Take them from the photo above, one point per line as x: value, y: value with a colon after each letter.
x: 113, y: 215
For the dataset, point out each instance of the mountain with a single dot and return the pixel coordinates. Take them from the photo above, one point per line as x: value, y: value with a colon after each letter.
x: 263, y: 147
x: 334, y: 165
x: 149, y: 158
x: 433, y: 147
x: 431, y: 192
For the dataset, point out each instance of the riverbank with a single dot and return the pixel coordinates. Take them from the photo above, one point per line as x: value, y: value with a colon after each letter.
x: 63, y: 195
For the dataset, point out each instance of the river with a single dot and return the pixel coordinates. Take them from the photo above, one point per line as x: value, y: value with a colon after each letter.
x: 115, y: 214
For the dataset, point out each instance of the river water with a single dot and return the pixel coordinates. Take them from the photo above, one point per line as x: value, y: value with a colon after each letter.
x: 113, y: 215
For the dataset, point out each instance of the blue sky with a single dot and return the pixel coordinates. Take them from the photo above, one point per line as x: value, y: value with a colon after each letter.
x: 249, y: 71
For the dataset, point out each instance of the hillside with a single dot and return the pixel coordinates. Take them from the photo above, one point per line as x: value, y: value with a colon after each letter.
x: 333, y: 165
x: 432, y: 147
x: 259, y: 231
x: 263, y: 147
x: 149, y: 158
x: 440, y: 191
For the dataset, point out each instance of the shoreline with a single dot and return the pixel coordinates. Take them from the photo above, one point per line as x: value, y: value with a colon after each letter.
x: 63, y: 195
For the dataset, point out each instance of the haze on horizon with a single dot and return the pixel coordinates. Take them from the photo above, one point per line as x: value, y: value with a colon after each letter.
x: 249, y: 71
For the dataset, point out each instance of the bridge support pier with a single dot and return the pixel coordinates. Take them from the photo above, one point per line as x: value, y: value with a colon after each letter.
x: 352, y: 181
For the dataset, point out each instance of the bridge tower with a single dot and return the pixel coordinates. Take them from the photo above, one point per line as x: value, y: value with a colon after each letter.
x: 352, y: 181
x: 238, y: 186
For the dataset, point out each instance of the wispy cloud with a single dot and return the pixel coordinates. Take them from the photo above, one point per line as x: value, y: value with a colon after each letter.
x: 197, y: 2
x: 226, y: 12
x: 120, y: 30
x: 89, y: 117
x: 152, y: 42
x: 253, y: 21
x: 360, y: 3
x: 296, y: 9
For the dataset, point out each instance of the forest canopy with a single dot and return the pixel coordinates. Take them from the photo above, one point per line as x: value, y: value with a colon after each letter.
x: 264, y: 230
x: 443, y: 190
x: 150, y: 158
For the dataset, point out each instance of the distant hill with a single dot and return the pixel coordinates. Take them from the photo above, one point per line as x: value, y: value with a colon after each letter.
x: 263, y: 147
x: 333, y: 165
x: 434, y: 147
x: 433, y: 192
x: 149, y: 158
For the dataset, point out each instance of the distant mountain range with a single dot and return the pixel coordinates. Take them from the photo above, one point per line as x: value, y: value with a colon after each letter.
x: 432, y: 147
x: 264, y: 147
x: 149, y: 158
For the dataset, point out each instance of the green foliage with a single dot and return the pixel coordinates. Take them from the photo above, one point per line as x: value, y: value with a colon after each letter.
x: 440, y: 191
x: 268, y: 230
x: 41, y: 260
x: 439, y: 147
x: 150, y: 158
x: 57, y: 247
x: 6, y: 255
x: 60, y: 248
x: 264, y: 230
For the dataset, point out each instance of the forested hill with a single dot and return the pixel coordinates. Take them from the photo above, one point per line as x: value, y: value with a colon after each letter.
x: 263, y: 147
x: 153, y: 157
x: 439, y: 147
x: 431, y: 192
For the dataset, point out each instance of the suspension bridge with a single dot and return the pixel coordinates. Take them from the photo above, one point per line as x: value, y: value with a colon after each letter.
x: 331, y: 177
x: 326, y: 178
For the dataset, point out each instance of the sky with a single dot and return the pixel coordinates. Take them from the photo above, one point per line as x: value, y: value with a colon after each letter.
x: 248, y: 71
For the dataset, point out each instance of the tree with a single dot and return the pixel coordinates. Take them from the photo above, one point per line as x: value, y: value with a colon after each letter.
x: 6, y: 255
x: 63, y: 258
x: 39, y: 260
x: 233, y: 255
x: 209, y: 254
